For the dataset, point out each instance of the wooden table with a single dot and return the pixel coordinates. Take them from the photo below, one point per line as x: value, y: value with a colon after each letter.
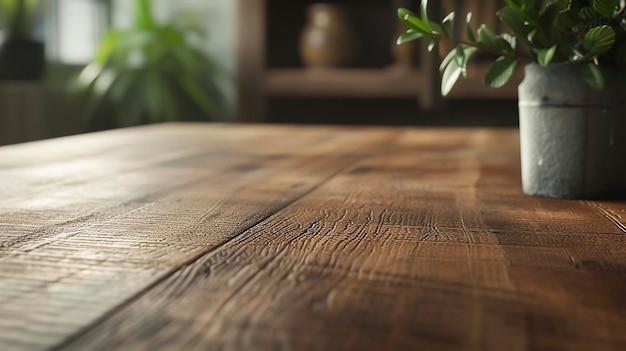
x: 249, y: 237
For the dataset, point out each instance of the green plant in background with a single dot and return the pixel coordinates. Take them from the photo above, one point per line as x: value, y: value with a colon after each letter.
x: 19, y: 17
x: 150, y: 72
x: 586, y: 32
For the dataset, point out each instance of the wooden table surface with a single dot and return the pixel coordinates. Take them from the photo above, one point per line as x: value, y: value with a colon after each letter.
x: 250, y: 237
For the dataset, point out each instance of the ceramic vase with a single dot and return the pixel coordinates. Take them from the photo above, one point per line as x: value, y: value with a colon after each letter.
x: 327, y: 39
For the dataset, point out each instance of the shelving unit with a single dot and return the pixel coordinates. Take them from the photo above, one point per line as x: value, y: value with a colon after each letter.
x: 355, y: 82
x: 270, y: 69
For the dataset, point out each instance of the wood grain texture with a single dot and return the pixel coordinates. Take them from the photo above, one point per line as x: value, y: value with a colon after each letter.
x: 300, y: 238
x: 88, y: 222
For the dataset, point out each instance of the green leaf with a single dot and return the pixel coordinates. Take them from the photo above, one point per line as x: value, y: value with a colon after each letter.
x: 469, y: 33
x: 568, y: 15
x: 412, y: 21
x: 606, y: 8
x: 577, y: 55
x: 447, y: 25
x: 515, y: 4
x: 432, y: 43
x: 460, y: 54
x: 424, y: 11
x: 448, y: 18
x: 454, y: 65
x: 510, y: 40
x: 419, y: 24
x: 561, y: 5
x: 513, y: 20
x: 531, y: 17
x: 143, y: 17
x: 409, y: 36
x: 520, y: 4
x: 446, y: 60
x: 587, y: 13
x: 107, y: 46
x: 531, y: 36
x: 593, y: 76
x: 500, y: 72
x: 599, y: 40
x: 450, y: 76
x: 547, y: 18
x: 88, y: 76
x: 155, y: 94
x: 197, y: 94
x: 435, y: 28
x: 544, y: 56
x: 467, y: 54
x: 488, y: 39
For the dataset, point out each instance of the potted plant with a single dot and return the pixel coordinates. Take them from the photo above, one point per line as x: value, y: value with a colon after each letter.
x: 571, y: 101
x: 22, y: 57
x: 150, y: 72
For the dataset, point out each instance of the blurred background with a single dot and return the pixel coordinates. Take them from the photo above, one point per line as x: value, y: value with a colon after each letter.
x: 74, y: 66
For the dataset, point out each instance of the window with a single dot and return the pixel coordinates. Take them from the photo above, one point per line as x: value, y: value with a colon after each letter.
x: 74, y: 29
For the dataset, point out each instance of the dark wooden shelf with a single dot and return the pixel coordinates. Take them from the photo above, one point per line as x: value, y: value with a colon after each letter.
x: 269, y: 67
x: 358, y: 82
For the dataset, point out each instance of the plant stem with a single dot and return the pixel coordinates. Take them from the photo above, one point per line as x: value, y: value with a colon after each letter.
x: 512, y: 54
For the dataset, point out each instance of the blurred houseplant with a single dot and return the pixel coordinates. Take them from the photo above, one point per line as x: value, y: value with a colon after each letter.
x: 150, y: 72
x: 571, y: 101
x: 22, y: 57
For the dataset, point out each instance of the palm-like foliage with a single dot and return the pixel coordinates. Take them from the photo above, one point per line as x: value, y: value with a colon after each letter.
x: 587, y: 32
x: 150, y: 72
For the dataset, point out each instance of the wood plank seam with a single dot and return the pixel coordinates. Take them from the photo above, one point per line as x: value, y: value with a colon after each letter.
x: 199, y: 256
x: 608, y: 214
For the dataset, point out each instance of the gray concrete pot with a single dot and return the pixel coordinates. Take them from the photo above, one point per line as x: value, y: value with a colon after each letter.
x: 573, y: 139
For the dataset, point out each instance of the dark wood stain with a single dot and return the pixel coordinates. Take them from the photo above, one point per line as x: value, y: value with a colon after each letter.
x: 250, y: 237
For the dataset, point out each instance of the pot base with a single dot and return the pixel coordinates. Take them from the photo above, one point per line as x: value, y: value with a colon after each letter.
x: 572, y: 153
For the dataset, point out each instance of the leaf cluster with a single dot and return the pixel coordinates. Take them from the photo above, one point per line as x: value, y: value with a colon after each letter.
x: 150, y: 72
x: 586, y: 32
